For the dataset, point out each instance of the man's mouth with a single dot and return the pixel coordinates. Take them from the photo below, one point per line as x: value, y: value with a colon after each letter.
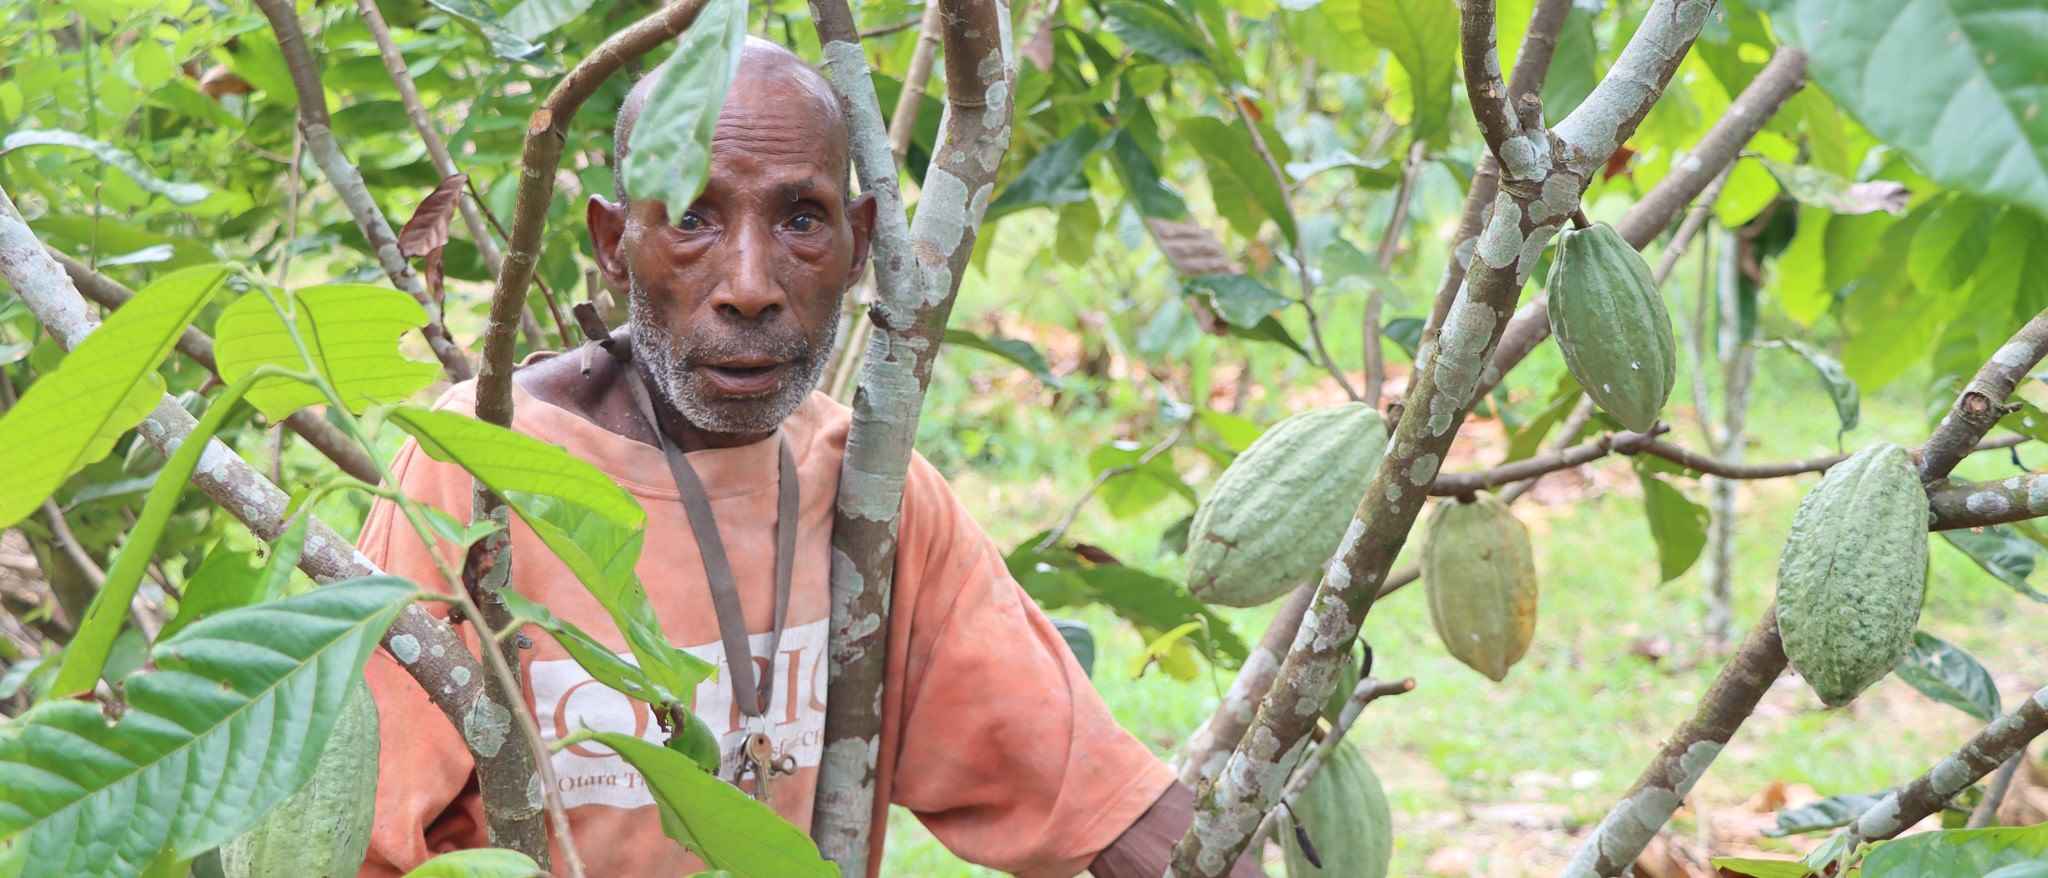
x: 746, y: 377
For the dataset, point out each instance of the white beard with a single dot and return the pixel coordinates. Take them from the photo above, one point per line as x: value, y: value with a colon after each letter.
x: 668, y: 361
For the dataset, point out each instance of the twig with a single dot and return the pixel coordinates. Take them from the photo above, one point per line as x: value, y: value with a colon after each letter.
x: 73, y: 549
x: 317, y: 128
x: 2005, y: 738
x: 909, y: 314
x: 1052, y: 537
x: 1366, y: 692
x: 1982, y: 400
x: 1986, y: 813
x: 293, y: 189
x: 110, y: 294
x: 898, y: 27
x: 546, y: 291
x: 1302, y: 269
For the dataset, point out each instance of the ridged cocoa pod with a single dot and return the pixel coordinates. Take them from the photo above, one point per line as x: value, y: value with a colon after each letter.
x: 1344, y: 813
x: 1611, y: 325
x: 1481, y: 577
x: 1854, y: 573
x: 323, y: 830
x: 1279, y: 510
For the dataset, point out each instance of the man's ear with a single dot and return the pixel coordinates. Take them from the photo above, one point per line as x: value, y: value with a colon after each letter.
x: 607, y: 227
x: 862, y: 215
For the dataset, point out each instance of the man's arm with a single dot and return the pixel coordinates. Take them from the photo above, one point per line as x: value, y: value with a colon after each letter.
x: 1145, y: 849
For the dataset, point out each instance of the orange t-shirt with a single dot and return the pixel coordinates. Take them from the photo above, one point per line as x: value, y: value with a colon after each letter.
x: 992, y: 734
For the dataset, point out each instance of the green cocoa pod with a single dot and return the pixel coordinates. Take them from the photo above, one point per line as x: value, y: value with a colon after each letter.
x: 1279, y: 510
x: 1854, y: 572
x: 323, y: 830
x: 1344, y: 812
x: 1481, y: 577
x: 1611, y: 325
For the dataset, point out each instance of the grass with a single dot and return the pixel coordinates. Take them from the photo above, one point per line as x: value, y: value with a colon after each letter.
x: 1575, y: 722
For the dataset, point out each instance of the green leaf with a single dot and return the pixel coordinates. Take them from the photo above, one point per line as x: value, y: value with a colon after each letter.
x: 73, y: 415
x: 1241, y: 300
x: 1016, y: 351
x: 578, y: 512
x: 1369, y: 173
x: 1574, y: 66
x: 604, y: 665
x: 724, y: 827
x: 1171, y: 652
x: 1757, y: 868
x: 1154, y: 29
x: 182, y: 194
x: 1832, y: 812
x: 1810, y: 185
x: 1053, y: 177
x: 1957, y: 853
x: 479, y: 863
x: 1056, y: 577
x: 1270, y: 330
x: 1945, y: 673
x: 1405, y: 333
x: 479, y: 17
x: 2003, y: 553
x: 2026, y: 420
x: 351, y: 332
x: 178, y: 770
x: 1949, y: 244
x: 1136, y: 486
x: 1151, y: 195
x: 1528, y: 440
x: 225, y: 580
x: 1241, y: 184
x: 1848, y: 403
x: 671, y: 145
x: 1955, y: 84
x: 1080, y: 641
x: 1237, y: 431
x: 1423, y: 37
x: 1677, y: 524
x: 533, y: 19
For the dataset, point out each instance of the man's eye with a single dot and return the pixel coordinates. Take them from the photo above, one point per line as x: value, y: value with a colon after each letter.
x: 690, y: 222
x: 803, y: 222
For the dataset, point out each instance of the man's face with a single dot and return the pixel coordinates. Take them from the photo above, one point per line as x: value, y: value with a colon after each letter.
x: 734, y: 304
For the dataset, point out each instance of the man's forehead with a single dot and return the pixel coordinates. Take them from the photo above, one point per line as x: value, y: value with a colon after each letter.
x: 777, y: 107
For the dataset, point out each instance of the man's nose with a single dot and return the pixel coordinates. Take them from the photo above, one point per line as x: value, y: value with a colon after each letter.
x: 751, y: 290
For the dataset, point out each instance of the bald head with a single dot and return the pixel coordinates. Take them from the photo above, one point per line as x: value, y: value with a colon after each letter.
x: 764, y: 66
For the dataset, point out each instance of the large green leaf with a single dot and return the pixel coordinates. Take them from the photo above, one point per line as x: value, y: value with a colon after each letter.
x: 480, y: 17
x: 1957, y: 853
x: 582, y: 516
x: 1830, y: 813
x: 2003, y: 553
x: 1052, y: 177
x: 1057, y: 577
x: 533, y: 19
x: 350, y: 330
x: 1678, y: 525
x: 724, y: 827
x: 1760, y: 868
x: 1945, y: 673
x: 1423, y: 37
x: 1241, y: 300
x: 1841, y: 389
x: 184, y: 194
x: 604, y: 665
x: 671, y: 144
x: 1956, y: 84
x: 1157, y: 30
x: 229, y: 723
x: 479, y: 863
x: 1017, y: 351
x: 75, y: 413
x: 1241, y: 185
x: 1150, y: 194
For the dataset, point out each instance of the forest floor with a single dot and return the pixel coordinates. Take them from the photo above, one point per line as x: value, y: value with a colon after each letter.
x: 1502, y: 780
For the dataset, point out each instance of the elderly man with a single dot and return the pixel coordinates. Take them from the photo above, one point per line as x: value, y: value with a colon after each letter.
x: 993, y: 735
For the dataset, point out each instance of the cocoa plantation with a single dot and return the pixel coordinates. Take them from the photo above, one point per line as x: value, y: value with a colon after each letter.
x: 506, y: 438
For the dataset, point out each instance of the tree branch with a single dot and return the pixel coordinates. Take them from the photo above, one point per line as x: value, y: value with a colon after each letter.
x: 1539, y: 46
x: 1543, y: 191
x: 1366, y: 692
x: 918, y: 267
x: 317, y: 127
x: 1982, y: 401
x: 1202, y: 757
x: 2006, y: 737
x: 110, y: 294
x: 1986, y: 813
x: 1483, y: 85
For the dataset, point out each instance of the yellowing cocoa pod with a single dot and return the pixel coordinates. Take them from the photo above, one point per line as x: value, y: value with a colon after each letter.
x: 1481, y: 577
x: 323, y: 830
x: 1611, y: 325
x: 1277, y: 513
x: 1344, y: 812
x: 1854, y: 572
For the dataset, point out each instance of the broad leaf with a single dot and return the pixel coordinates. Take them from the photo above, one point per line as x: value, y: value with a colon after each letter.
x: 1832, y: 812
x: 1240, y: 299
x: 1242, y: 186
x: 1957, y: 853
x: 1574, y: 66
x: 2003, y: 553
x: 1405, y: 333
x: 578, y: 512
x: 350, y: 330
x: 1848, y: 403
x: 724, y: 827
x: 1154, y: 29
x: 479, y: 863
x: 73, y: 415
x: 1955, y: 84
x: 1133, y: 484
x: 1945, y: 673
x: 1057, y: 577
x: 229, y: 723
x: 1423, y: 37
x: 1016, y: 351
x: 225, y: 580
x: 1814, y: 186
x: 604, y: 665
x: 1052, y: 177
x: 671, y: 144
x: 480, y: 17
x: 1757, y: 868
x: 1150, y: 194
x: 533, y: 19
x: 1677, y: 524
x: 184, y: 194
